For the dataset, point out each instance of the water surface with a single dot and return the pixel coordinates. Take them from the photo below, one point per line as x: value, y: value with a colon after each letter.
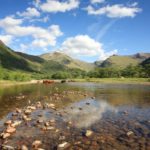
x: 109, y: 110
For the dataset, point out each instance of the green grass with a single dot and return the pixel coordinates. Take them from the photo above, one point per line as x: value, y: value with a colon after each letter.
x: 116, y: 80
x: 121, y: 61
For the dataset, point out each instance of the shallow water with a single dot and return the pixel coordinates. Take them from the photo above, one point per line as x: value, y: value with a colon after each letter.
x: 110, y: 111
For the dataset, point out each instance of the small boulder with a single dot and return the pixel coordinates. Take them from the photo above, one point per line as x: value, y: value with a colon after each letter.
x: 63, y: 145
x: 8, y: 122
x: 36, y: 144
x: 24, y: 147
x: 10, y: 130
x: 88, y: 133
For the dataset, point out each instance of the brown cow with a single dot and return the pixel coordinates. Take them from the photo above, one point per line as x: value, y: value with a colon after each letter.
x: 48, y: 81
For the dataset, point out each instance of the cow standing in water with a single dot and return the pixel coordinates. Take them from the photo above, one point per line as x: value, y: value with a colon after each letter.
x: 48, y: 81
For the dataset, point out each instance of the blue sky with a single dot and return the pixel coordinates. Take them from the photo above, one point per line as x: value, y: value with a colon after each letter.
x: 85, y: 29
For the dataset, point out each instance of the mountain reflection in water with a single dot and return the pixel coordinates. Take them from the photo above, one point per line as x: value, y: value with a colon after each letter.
x: 87, y: 112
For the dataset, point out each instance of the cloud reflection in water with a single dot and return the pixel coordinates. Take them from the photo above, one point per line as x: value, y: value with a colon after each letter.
x: 87, y: 112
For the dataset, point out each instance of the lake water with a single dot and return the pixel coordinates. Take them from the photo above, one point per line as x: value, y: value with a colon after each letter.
x: 117, y: 114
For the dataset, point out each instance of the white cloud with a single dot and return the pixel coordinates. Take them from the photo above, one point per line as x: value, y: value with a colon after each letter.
x: 56, y: 6
x: 97, y: 1
x: 10, y: 22
x: 30, y: 12
x: 115, y: 11
x: 83, y: 45
x: 7, y: 39
x: 15, y: 28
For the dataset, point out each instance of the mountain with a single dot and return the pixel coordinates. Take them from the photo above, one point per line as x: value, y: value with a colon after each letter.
x: 12, y: 60
x: 46, y: 63
x: 67, y: 61
x: 124, y: 61
x: 50, y: 63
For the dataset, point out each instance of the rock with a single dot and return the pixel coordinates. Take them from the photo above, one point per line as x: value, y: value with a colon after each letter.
x: 16, y: 123
x: 129, y: 133
x: 18, y: 110
x: 26, y: 118
x: 7, y: 147
x: 62, y: 138
x: 10, y: 130
x: 88, y: 133
x: 47, y: 124
x: 38, y: 105
x: 31, y: 107
x: 40, y: 121
x: 87, y: 103
x: 5, y: 135
x: 8, y: 122
x: 63, y: 146
x: 51, y: 106
x: 52, y: 121
x: 36, y: 143
x: 27, y: 111
x: 50, y: 128
x: 24, y: 147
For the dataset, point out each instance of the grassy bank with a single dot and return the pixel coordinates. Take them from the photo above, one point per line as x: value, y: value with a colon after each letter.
x: 146, y: 81
x: 4, y: 83
x: 116, y: 80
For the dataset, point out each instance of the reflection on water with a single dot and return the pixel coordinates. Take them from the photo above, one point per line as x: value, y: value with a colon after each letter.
x: 115, y: 95
x: 87, y: 112
x: 117, y: 115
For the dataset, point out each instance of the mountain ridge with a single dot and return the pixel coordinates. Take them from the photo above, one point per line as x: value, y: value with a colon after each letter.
x: 58, y: 61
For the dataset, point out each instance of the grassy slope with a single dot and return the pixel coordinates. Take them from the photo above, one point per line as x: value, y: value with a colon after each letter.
x: 67, y: 61
x: 13, y: 61
x: 116, y: 80
x: 121, y: 61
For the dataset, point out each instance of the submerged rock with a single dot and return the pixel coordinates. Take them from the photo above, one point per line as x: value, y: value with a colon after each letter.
x: 7, y: 147
x: 27, y: 111
x: 88, y: 133
x: 16, y: 123
x: 5, y: 135
x: 130, y: 133
x: 63, y: 146
x: 8, y: 122
x: 36, y: 143
x: 24, y: 147
x: 10, y: 129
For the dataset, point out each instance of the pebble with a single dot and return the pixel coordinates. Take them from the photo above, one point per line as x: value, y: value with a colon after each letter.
x: 10, y: 129
x: 16, y: 123
x: 24, y: 147
x: 7, y: 147
x: 63, y: 146
x: 27, y: 112
x: 88, y: 133
x: 129, y: 133
x: 36, y: 144
x: 5, y: 135
x: 8, y: 122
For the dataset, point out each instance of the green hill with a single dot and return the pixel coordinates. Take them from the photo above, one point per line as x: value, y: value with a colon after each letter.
x: 67, y: 61
x: 12, y: 60
x: 124, y: 61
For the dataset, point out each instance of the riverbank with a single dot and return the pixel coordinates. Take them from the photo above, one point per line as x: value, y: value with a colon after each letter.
x: 116, y: 80
x: 146, y: 81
